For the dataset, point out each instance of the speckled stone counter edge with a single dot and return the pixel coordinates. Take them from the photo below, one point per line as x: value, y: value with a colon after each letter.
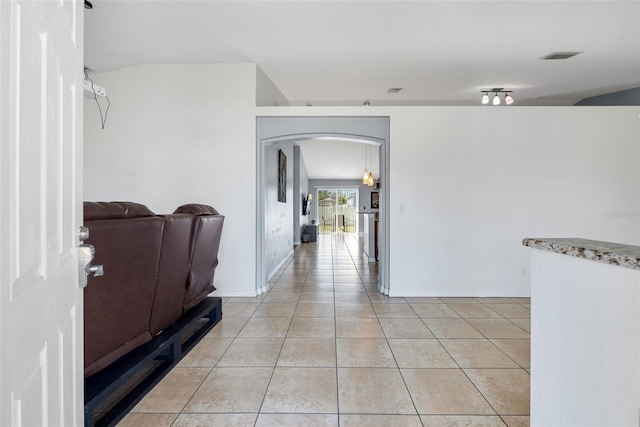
x: 627, y: 256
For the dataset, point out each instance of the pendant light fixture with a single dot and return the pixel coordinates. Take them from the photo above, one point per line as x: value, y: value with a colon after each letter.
x: 365, y: 177
x: 370, y: 176
x: 485, y: 98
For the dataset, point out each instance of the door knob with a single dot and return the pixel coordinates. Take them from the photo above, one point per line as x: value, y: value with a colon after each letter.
x: 83, y: 234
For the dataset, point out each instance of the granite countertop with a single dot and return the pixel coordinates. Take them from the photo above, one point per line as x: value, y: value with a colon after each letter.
x: 627, y: 256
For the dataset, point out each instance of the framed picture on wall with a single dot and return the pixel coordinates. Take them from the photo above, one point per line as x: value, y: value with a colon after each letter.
x: 375, y: 200
x: 282, y: 177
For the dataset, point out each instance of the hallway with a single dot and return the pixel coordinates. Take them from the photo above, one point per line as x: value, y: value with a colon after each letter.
x: 324, y: 348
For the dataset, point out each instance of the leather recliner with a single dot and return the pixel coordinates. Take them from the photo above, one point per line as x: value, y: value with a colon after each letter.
x: 156, y: 268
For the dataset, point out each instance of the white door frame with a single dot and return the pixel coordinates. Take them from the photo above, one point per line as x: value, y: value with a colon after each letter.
x: 271, y: 130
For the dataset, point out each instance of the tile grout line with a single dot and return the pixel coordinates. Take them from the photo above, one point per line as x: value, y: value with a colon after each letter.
x: 275, y: 365
x: 404, y: 381
x: 487, y: 338
x: 338, y: 259
x: 335, y: 334
x: 467, y: 376
x: 465, y: 373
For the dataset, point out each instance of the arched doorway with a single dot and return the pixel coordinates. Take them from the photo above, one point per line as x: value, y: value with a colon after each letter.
x: 365, y: 130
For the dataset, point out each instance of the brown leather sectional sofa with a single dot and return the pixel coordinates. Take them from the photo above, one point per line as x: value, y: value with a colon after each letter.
x: 156, y: 268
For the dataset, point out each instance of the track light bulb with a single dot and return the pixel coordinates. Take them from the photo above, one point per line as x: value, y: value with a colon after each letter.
x: 496, y: 99
x: 485, y: 98
x: 508, y: 99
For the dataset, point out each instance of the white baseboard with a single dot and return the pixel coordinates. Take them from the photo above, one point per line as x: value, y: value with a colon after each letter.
x: 279, y: 266
x: 416, y: 293
x: 230, y: 294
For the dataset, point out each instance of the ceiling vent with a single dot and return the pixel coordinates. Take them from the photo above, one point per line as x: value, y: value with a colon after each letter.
x: 560, y: 55
x: 394, y: 89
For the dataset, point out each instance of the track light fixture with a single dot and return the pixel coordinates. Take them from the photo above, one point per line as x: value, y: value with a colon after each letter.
x: 508, y: 99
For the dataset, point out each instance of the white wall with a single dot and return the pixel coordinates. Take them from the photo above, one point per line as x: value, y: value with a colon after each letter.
x: 468, y: 183
x: 297, y: 202
x: 305, y: 189
x: 585, y: 342
x: 267, y: 93
x: 300, y: 191
x: 181, y: 133
x: 475, y: 181
x: 279, y: 215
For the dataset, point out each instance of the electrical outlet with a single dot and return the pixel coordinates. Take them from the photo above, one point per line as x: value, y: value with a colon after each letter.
x: 523, y: 270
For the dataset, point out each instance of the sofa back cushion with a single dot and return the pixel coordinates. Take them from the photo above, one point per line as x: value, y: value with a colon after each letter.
x: 205, y: 242
x: 173, y: 271
x: 196, y: 209
x: 115, y: 210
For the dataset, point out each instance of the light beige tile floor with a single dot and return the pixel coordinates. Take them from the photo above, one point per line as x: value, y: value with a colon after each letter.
x: 324, y: 348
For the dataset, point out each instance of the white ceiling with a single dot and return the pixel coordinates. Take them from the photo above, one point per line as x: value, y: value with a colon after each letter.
x: 345, y: 52
x: 336, y: 159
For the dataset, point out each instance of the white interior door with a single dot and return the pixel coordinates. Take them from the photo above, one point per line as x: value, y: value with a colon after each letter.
x: 41, y: 345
